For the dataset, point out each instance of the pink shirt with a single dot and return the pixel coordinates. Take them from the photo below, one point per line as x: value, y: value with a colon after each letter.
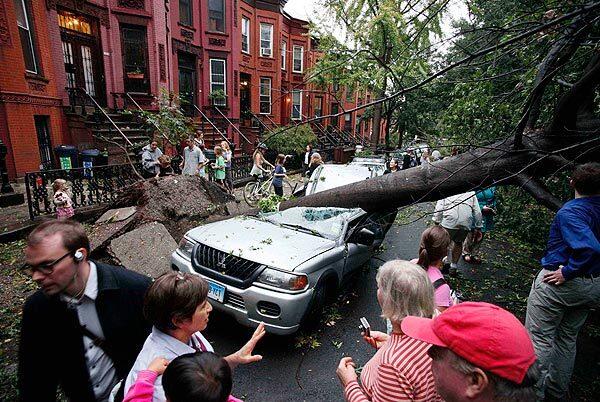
x: 442, y: 294
x: 142, y: 389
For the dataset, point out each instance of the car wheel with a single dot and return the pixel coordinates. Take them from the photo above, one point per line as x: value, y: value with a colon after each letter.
x: 324, y: 292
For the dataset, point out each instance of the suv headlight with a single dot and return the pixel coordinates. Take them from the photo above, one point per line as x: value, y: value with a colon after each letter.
x: 186, y: 246
x: 283, y: 280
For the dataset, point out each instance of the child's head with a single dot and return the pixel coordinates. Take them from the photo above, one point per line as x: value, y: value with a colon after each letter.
x: 59, y: 184
x: 280, y: 160
x: 200, y: 377
x: 218, y: 151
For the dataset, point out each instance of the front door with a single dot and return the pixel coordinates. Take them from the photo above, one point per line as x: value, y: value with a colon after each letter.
x: 187, y: 82
x: 245, y: 100
x: 82, y: 56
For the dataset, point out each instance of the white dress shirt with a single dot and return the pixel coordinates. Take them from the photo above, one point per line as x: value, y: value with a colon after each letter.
x: 102, y: 372
x: 159, y: 344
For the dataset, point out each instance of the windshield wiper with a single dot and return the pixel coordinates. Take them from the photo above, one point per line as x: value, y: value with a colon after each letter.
x: 302, y: 228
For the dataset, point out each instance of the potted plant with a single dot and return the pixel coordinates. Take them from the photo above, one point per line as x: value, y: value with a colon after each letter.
x: 136, y: 74
x: 217, y: 97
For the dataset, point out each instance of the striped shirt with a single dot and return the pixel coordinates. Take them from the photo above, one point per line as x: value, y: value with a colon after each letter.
x: 399, y: 371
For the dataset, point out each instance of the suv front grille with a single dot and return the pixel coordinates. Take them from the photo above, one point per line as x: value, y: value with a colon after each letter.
x: 225, y: 267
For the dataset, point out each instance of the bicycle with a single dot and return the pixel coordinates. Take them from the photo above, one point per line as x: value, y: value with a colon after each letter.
x: 260, y: 188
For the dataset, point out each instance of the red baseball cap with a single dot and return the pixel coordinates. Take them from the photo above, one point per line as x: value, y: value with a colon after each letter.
x: 483, y: 334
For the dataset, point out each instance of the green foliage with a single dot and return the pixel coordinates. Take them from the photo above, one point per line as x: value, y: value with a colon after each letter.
x: 291, y: 140
x: 170, y: 119
x: 217, y: 95
x: 521, y: 216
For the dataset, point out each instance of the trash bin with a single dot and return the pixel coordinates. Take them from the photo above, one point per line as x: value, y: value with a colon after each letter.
x: 102, y: 159
x: 67, y: 155
x: 88, y: 160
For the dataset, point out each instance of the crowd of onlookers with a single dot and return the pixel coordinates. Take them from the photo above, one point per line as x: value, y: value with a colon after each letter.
x: 107, y: 333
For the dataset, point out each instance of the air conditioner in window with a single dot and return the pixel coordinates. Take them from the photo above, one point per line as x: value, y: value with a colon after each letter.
x: 266, y: 52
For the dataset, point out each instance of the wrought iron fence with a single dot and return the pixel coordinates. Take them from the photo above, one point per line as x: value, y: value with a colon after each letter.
x: 88, y: 186
x: 240, y: 168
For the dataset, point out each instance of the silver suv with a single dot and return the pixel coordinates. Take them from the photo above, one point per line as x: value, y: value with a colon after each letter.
x: 279, y: 268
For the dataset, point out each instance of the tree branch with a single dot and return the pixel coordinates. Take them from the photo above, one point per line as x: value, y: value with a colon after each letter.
x: 538, y: 191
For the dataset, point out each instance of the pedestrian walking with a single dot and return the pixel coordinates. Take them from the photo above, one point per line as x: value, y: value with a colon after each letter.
x: 568, y: 285
x: 459, y: 215
x: 487, y: 202
x: 219, y: 167
x: 84, y: 327
x: 279, y: 174
x: 228, y: 156
x: 193, y: 159
x: 61, y: 199
x: 307, y: 156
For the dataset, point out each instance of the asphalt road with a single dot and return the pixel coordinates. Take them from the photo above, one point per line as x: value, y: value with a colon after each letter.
x: 290, y: 373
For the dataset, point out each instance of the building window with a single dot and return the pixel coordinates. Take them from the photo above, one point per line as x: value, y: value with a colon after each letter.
x: 135, y: 58
x: 266, y: 40
x: 283, y: 54
x: 335, y: 109
x: 216, y: 15
x: 350, y: 93
x: 186, y: 12
x: 296, y: 104
x: 318, y: 106
x: 336, y: 87
x: 217, y: 80
x: 74, y: 22
x: 265, y: 95
x: 298, y: 59
x: 23, y: 19
x: 42, y: 124
x: 245, y: 35
x: 348, y: 122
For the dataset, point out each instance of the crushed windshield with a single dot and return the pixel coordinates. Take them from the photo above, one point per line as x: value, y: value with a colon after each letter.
x: 328, y: 222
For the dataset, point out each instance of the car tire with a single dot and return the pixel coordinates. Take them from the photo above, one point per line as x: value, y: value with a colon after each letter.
x: 324, y: 292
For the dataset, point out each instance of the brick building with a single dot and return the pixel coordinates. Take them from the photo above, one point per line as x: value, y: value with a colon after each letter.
x: 251, y: 51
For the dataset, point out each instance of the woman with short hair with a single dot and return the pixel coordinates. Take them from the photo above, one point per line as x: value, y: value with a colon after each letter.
x: 177, y: 306
x: 400, y: 370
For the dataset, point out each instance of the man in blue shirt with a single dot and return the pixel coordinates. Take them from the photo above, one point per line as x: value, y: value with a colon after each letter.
x: 568, y: 285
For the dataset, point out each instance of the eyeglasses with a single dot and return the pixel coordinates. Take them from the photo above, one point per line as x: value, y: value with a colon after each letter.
x: 45, y: 269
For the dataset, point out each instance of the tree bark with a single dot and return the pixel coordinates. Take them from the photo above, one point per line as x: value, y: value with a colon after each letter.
x: 538, y: 191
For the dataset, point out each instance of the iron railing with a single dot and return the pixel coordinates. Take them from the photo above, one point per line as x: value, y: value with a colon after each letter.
x: 88, y: 186
x: 232, y: 125
x: 240, y: 168
x: 205, y: 117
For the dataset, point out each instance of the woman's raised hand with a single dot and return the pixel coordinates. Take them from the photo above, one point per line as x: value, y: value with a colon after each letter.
x: 244, y: 355
x: 377, y: 339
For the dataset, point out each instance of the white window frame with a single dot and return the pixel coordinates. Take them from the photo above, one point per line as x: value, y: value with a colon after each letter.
x: 268, y: 96
x: 264, y: 51
x: 28, y: 29
x: 294, y: 70
x: 224, y: 83
x: 246, y: 35
x: 283, y: 54
x: 299, y: 93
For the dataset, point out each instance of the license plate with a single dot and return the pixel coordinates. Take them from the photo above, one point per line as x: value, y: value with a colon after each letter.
x: 216, y: 292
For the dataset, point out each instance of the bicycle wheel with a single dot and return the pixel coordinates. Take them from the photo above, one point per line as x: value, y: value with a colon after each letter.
x: 287, y: 188
x: 251, y: 193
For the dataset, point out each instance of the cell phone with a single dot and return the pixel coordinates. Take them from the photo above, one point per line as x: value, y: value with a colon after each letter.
x: 364, y: 327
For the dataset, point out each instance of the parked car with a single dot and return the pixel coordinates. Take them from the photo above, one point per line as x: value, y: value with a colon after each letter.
x: 280, y: 268
x: 377, y: 163
x: 326, y: 176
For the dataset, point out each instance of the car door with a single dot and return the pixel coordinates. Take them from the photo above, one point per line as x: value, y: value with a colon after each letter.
x: 355, y: 255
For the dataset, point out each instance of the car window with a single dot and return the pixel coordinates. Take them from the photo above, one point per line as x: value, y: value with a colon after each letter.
x: 328, y: 222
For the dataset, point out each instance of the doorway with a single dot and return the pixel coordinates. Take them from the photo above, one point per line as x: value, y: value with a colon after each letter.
x: 44, y: 143
x: 245, y: 99
x: 82, y: 55
x: 187, y: 82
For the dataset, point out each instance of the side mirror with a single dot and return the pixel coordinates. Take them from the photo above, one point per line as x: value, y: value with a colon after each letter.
x: 364, y: 237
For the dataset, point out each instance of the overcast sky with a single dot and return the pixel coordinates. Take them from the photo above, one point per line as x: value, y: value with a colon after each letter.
x: 305, y: 9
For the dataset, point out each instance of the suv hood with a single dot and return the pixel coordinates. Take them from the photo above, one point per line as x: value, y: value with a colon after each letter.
x: 261, y: 242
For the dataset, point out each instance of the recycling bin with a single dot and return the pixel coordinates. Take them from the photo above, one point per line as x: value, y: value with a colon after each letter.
x: 88, y: 160
x: 67, y: 156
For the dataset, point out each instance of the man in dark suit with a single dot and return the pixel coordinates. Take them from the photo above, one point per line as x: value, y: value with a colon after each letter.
x: 84, y: 328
